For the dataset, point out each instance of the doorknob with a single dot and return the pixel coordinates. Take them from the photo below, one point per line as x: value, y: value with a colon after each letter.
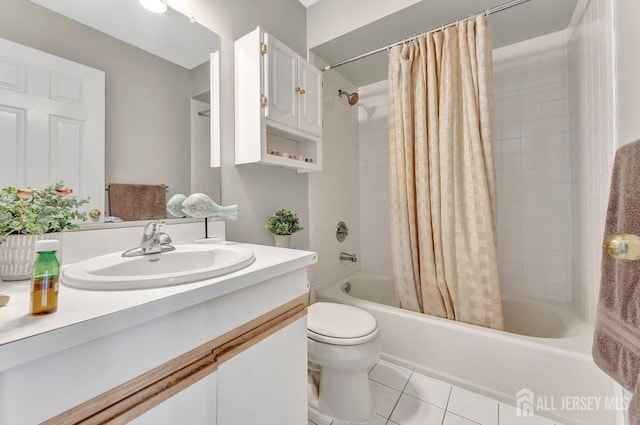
x: 95, y: 214
x: 622, y: 246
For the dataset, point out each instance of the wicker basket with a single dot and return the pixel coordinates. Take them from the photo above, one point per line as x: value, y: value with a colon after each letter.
x: 17, y: 255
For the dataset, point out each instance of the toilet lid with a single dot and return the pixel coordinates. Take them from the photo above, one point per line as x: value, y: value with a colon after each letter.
x: 339, y: 321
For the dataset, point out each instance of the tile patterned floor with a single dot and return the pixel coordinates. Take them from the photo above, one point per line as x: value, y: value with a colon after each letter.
x: 404, y: 397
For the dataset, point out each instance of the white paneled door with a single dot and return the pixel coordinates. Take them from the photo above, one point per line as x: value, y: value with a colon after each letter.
x: 52, y: 120
x: 280, y: 81
x: 310, y: 80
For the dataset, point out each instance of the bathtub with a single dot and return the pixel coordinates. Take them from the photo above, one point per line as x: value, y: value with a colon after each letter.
x: 545, y: 348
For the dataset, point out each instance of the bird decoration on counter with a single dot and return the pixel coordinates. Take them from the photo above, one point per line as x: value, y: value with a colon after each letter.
x: 199, y: 205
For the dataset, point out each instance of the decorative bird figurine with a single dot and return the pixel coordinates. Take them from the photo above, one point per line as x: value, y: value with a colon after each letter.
x: 199, y: 205
x: 174, y: 206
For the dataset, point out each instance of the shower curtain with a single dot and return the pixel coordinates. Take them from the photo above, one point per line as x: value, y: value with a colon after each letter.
x: 442, y: 175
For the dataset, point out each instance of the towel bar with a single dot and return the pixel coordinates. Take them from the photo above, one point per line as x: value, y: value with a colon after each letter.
x: 106, y: 187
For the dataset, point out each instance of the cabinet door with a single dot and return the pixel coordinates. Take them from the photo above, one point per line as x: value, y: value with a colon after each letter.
x: 310, y: 101
x: 267, y: 383
x: 280, y: 82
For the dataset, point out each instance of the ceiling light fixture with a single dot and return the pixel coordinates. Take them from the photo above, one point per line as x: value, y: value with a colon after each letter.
x: 155, y: 6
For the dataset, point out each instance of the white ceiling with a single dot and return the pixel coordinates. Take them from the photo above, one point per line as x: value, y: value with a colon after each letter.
x: 170, y: 35
x: 528, y: 20
x: 307, y: 3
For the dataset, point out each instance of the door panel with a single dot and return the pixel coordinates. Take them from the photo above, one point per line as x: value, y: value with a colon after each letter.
x: 13, y: 74
x: 280, y: 82
x: 66, y: 162
x: 51, y: 122
x: 12, y: 135
x: 310, y: 80
x: 267, y: 383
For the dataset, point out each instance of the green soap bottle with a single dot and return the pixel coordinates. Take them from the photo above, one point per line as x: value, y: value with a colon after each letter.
x: 44, y: 285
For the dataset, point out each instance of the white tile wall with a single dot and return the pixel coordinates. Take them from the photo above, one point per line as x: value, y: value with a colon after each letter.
x: 554, y: 143
x: 375, y: 235
x: 531, y: 133
x: 333, y: 193
x: 591, y: 63
x: 533, y: 167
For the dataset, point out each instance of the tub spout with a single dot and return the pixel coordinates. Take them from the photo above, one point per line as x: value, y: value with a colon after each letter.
x: 348, y: 257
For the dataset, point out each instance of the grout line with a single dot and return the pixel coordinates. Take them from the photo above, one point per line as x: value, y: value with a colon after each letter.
x: 385, y: 385
x: 394, y: 406
x: 407, y: 383
x: 373, y: 367
x: 465, y: 418
x: 446, y: 406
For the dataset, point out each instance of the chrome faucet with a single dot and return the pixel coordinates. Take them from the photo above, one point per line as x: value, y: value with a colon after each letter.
x: 153, y: 241
x: 348, y: 257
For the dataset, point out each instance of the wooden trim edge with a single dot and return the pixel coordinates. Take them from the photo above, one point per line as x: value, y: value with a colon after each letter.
x: 136, y: 396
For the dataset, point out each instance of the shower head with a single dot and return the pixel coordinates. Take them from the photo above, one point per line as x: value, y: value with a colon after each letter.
x: 352, y: 98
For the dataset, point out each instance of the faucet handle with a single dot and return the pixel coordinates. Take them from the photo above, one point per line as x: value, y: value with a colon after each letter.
x: 163, y: 238
x: 153, y: 227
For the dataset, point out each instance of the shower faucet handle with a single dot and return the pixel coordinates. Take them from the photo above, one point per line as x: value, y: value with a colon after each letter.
x: 342, y: 231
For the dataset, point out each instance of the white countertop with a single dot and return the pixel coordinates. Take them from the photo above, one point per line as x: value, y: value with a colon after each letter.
x: 86, y: 315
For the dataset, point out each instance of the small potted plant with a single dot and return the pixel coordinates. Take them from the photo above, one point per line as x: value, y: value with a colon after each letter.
x: 282, y: 224
x: 27, y: 215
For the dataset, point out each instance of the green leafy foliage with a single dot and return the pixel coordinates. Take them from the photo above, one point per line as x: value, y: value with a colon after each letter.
x: 46, y: 211
x: 283, y: 222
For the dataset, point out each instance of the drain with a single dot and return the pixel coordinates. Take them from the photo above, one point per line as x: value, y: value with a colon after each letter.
x: 347, y: 287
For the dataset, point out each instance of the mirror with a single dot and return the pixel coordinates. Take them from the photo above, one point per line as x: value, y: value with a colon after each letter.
x: 160, y: 114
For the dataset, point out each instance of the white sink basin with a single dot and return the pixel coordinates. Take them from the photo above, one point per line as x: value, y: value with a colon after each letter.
x: 188, y: 263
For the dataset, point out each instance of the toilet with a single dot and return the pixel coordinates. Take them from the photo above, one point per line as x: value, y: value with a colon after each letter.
x: 343, y: 346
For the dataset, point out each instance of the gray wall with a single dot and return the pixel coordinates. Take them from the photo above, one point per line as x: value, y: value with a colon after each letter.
x: 147, y: 119
x: 258, y: 189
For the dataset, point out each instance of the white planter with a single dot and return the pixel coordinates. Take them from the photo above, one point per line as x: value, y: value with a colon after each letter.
x: 283, y: 241
x: 17, y: 255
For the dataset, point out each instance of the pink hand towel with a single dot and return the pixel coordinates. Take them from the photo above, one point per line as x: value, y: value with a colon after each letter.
x: 616, y: 344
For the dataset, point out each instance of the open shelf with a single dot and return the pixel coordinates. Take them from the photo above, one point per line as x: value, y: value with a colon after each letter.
x: 290, y: 163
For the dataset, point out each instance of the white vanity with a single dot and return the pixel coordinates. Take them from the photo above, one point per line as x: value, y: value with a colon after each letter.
x: 228, y: 350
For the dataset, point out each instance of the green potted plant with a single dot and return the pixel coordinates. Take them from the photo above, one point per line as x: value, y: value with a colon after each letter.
x: 27, y: 215
x: 282, y: 224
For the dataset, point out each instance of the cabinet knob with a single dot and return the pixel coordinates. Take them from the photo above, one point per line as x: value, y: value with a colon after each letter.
x: 302, y: 91
x: 622, y: 246
x: 298, y: 89
x: 95, y: 214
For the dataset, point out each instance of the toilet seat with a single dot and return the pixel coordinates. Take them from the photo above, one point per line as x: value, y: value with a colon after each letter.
x: 340, y: 324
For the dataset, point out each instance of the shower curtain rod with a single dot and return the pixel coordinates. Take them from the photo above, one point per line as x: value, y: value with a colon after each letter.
x: 489, y: 11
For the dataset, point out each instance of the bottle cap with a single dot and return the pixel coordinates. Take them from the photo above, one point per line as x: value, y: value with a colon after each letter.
x: 47, y: 245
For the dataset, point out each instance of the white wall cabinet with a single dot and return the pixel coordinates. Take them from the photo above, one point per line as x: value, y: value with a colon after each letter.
x: 278, y: 109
